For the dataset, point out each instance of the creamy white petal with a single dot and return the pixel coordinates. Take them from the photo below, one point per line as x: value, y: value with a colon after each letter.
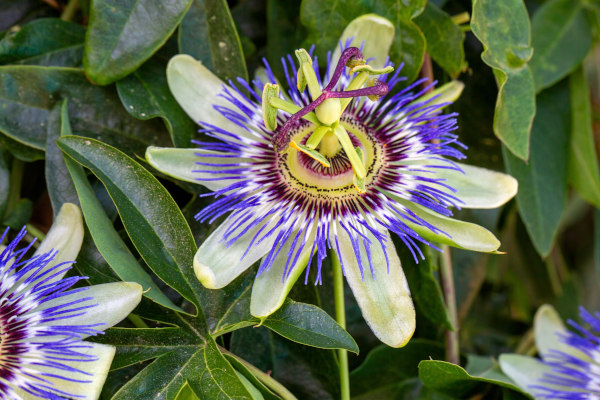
x: 524, y: 371
x: 384, y: 298
x: 217, y: 264
x: 181, y: 164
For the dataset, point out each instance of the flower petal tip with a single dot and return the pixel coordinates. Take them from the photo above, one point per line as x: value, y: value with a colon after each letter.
x: 205, y: 275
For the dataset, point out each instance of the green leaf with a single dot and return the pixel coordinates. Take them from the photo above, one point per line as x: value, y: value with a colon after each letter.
x: 582, y: 167
x: 186, y: 393
x: 385, y: 365
x: 326, y: 20
x: 309, y: 325
x: 453, y: 380
x: 48, y: 41
x: 250, y: 376
x: 561, y: 37
x: 21, y: 151
x: 122, y: 34
x: 150, y: 215
x: 503, y: 29
x: 543, y: 181
x: 208, y: 34
x: 4, y: 181
x: 284, y: 31
x: 145, y: 94
x: 19, y: 215
x: 28, y: 93
x: 444, y: 39
x: 59, y: 182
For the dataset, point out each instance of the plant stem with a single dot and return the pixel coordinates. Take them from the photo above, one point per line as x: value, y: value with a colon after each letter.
x: 15, y: 180
x: 31, y: 229
x: 265, y: 379
x: 70, y: 10
x: 447, y: 278
x: 137, y: 321
x: 340, y: 316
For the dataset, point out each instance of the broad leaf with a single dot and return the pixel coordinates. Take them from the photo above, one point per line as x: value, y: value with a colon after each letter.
x: 503, y: 29
x: 28, y: 93
x: 208, y: 34
x: 543, y: 181
x: 122, y: 34
x: 561, y: 38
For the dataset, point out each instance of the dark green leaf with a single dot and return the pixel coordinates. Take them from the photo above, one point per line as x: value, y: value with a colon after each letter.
x: 19, y: 215
x: 561, y: 38
x: 20, y: 151
x: 326, y: 20
x: 444, y: 39
x: 543, y: 181
x: 12, y: 11
x: 503, y: 28
x: 145, y: 94
x: 90, y: 263
x: 60, y: 184
x: 122, y: 34
x: 386, y: 366
x: 186, y: 393
x: 4, y: 181
x: 453, y: 380
x: 409, y: 389
x: 44, y: 42
x: 208, y: 34
x: 284, y: 32
x: 582, y: 160
x: 309, y: 325
x: 27, y: 93
x: 241, y: 368
x: 149, y: 213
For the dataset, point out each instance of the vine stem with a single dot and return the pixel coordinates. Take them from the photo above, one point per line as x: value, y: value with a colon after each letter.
x: 447, y: 279
x: 69, y: 10
x: 340, y: 316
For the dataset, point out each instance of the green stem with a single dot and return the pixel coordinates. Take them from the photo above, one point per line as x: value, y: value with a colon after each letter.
x: 137, y: 321
x: 31, y: 229
x: 16, y: 178
x: 340, y: 316
x: 447, y: 278
x: 265, y: 379
x: 70, y: 10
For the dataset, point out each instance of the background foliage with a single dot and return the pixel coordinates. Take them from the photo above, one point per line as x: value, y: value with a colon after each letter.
x: 83, y: 92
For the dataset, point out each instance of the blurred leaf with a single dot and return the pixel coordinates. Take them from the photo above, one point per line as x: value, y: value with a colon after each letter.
x: 444, y: 39
x: 19, y: 215
x: 208, y: 34
x: 145, y: 94
x: 50, y: 42
x: 386, y: 365
x: 561, y: 38
x: 20, y: 151
x: 60, y: 185
x: 543, y: 181
x: 503, y: 29
x: 13, y: 11
x: 284, y: 32
x: 182, y: 355
x: 4, y: 181
x: 582, y: 164
x: 150, y: 215
x: 27, y: 93
x: 122, y: 34
x: 597, y: 240
x: 308, y: 324
x: 326, y: 20
x: 409, y: 389
x: 455, y: 381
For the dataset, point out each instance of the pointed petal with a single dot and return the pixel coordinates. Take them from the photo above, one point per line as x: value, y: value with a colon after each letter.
x: 270, y: 289
x: 65, y: 235
x: 216, y: 264
x: 479, y: 187
x: 548, y: 328
x: 196, y: 89
x: 97, y: 370
x: 113, y: 302
x: 181, y: 164
x: 524, y: 371
x: 377, y: 34
x: 464, y: 235
x: 384, y: 299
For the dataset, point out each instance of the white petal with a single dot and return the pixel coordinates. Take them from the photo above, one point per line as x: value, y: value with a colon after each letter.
x: 181, y: 164
x: 549, y: 328
x: 217, y: 264
x: 269, y: 289
x: 524, y: 371
x: 384, y: 299
x: 479, y: 187
x: 65, y: 235
x: 377, y: 34
x: 114, y: 301
x: 97, y: 368
x: 196, y: 90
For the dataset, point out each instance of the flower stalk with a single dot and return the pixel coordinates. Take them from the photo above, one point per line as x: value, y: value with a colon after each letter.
x: 447, y: 278
x: 340, y: 317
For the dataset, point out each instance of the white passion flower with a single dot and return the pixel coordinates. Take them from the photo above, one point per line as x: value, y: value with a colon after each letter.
x: 43, y: 320
x: 333, y: 162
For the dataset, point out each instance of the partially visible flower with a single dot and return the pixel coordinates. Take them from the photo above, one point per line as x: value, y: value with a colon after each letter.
x: 570, y: 360
x: 336, y: 167
x: 43, y: 321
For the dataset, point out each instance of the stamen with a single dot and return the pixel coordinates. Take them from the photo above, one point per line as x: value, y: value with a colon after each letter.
x: 311, y: 153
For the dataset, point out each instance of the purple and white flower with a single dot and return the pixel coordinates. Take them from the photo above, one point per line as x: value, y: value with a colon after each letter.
x: 43, y: 320
x: 357, y: 169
